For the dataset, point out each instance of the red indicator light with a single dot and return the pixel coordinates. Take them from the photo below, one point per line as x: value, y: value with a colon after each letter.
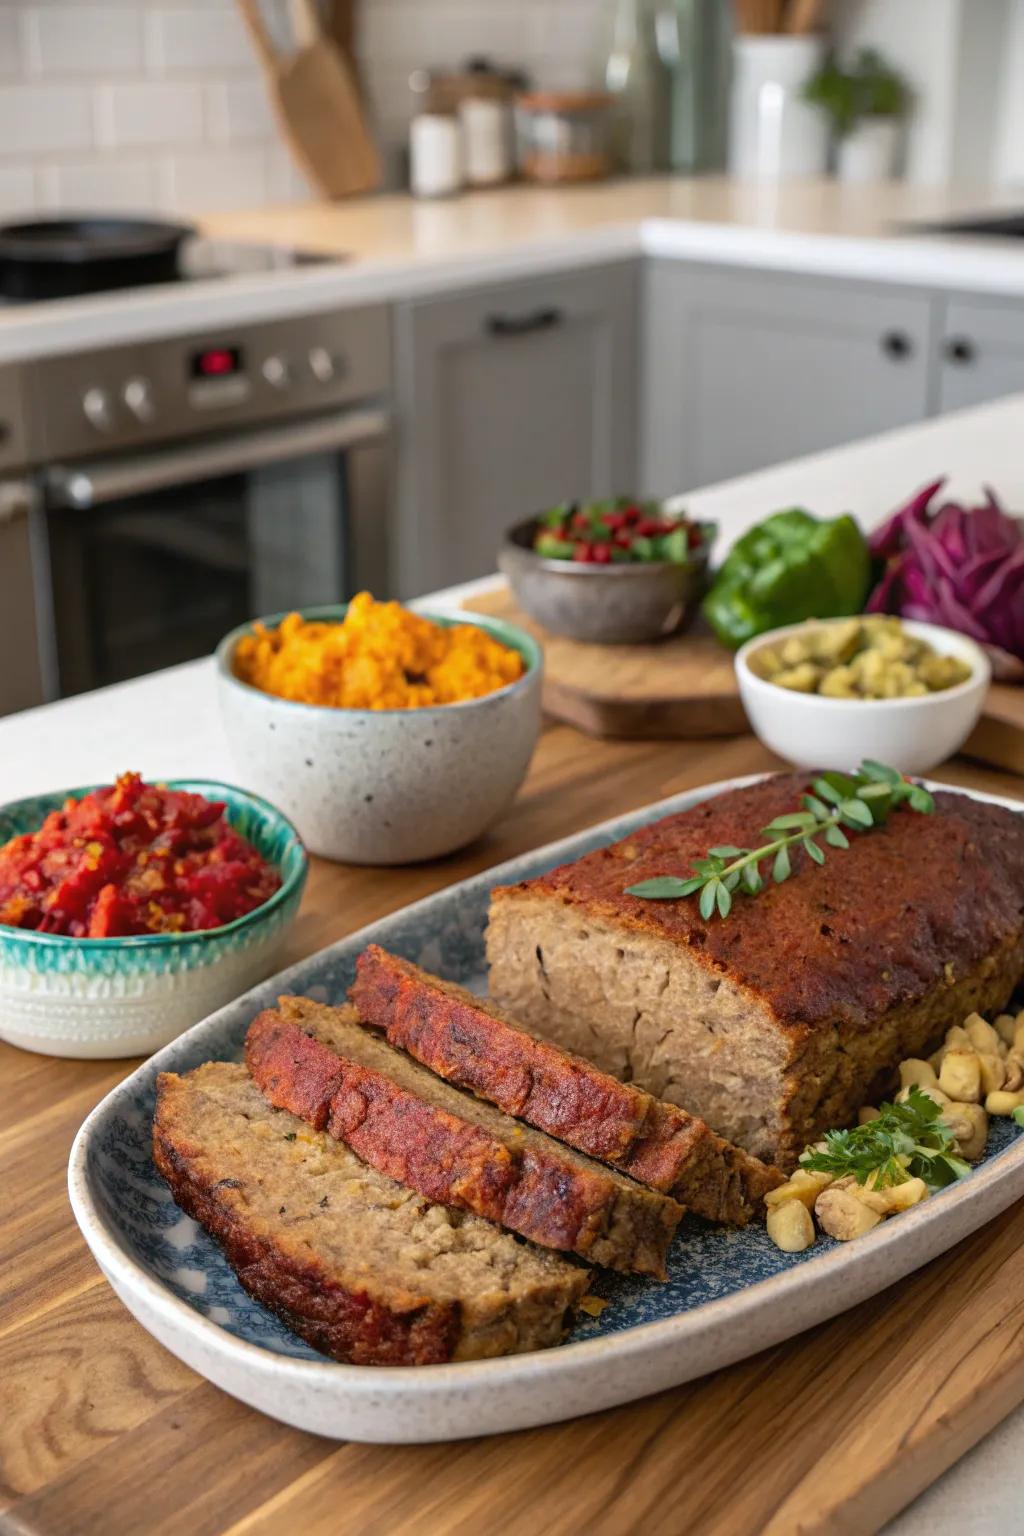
x: 213, y: 364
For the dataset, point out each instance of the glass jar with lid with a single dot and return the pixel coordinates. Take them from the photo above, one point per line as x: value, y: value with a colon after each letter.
x: 563, y: 135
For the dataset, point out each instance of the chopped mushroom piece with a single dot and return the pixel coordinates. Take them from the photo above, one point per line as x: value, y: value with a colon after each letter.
x: 842, y: 1214
x: 960, y: 1076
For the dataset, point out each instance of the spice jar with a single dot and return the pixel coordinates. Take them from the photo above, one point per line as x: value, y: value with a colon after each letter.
x: 563, y: 135
x: 435, y: 155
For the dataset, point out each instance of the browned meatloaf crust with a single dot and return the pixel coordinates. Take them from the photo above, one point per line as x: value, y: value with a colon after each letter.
x: 359, y: 1267
x: 321, y: 1063
x: 468, y: 1041
x: 775, y: 1023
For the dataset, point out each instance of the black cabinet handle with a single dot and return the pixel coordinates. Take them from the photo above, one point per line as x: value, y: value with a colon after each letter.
x: 523, y: 325
x: 959, y: 350
x: 897, y: 345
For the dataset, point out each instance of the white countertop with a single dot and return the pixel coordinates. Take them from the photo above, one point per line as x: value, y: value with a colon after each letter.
x: 167, y: 725
x: 396, y: 247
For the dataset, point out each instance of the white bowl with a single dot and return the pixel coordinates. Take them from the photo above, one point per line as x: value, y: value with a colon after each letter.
x: 912, y: 735
x: 386, y: 786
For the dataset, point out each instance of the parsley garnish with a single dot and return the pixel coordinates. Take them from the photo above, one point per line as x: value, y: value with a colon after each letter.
x: 906, y: 1141
x: 857, y: 801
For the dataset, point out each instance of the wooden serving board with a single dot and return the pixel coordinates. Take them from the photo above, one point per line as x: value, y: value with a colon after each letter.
x: 104, y: 1433
x: 685, y: 688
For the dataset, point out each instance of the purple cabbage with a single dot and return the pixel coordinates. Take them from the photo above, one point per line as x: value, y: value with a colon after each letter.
x: 955, y: 565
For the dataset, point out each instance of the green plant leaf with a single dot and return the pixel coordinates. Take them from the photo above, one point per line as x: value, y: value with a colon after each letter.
x: 857, y: 813
x: 731, y: 880
x: 836, y: 837
x: 827, y: 792
x: 879, y: 773
x: 920, y: 800
x: 874, y: 792
x: 792, y: 820
x: 665, y: 888
x: 1018, y: 1115
x: 724, y: 901
x: 751, y: 876
x: 813, y: 851
x: 707, y: 899
x: 817, y: 807
x: 781, y: 867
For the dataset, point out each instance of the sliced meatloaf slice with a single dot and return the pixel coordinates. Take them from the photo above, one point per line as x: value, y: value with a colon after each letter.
x: 362, y: 1269
x: 321, y: 1064
x: 779, y: 1020
x: 469, y: 1041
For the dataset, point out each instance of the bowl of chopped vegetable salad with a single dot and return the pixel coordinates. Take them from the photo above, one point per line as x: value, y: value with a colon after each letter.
x: 619, y: 571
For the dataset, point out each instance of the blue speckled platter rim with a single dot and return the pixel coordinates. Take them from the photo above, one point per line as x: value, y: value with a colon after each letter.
x: 817, y: 1286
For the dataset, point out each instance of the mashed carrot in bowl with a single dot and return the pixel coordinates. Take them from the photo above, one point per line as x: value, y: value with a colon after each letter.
x: 380, y: 656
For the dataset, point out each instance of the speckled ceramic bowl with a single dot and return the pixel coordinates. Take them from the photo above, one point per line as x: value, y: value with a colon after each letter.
x: 386, y: 786
x: 130, y: 996
x: 604, y: 604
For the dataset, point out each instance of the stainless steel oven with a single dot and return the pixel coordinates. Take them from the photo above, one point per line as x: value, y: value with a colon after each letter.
x: 177, y: 488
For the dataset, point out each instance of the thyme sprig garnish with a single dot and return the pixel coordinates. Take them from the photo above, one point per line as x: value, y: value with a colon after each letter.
x: 907, y: 1141
x: 855, y: 802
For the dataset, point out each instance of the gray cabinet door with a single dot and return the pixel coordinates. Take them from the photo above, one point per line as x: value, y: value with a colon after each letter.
x: 980, y: 352
x: 740, y: 369
x: 510, y: 399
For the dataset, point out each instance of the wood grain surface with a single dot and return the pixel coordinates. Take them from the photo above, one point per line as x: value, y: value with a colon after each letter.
x: 103, y: 1433
x: 685, y: 688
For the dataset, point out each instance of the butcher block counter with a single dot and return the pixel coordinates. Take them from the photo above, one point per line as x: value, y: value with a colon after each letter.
x: 104, y: 1433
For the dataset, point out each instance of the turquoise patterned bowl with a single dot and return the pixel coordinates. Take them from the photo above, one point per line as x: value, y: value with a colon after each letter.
x: 130, y: 996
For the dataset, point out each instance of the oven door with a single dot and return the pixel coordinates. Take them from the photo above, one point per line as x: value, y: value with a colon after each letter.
x: 153, y: 557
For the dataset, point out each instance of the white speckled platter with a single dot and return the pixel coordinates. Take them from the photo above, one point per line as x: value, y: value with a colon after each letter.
x: 729, y: 1294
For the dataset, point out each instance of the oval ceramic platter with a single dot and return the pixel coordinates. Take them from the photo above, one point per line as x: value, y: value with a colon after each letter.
x: 729, y: 1294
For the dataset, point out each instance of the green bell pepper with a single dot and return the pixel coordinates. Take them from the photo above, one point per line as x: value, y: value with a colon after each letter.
x: 790, y: 567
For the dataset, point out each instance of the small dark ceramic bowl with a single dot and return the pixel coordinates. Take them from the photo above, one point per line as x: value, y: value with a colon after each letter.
x: 607, y: 604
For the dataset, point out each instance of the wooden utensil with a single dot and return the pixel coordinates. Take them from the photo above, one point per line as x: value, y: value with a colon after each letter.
x: 803, y: 17
x: 317, y: 106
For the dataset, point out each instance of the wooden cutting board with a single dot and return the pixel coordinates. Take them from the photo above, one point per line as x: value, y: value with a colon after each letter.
x: 685, y: 688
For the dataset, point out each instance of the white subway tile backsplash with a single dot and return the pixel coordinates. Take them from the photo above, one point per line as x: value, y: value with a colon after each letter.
x: 36, y: 119
x: 238, y: 110
x: 196, y: 38
x: 153, y: 112
x: 108, y: 184
x: 12, y: 55
x: 83, y: 39
x: 143, y: 103
x: 17, y: 189
x: 213, y: 179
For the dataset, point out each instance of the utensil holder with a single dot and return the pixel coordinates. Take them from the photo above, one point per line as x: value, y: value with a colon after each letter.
x: 773, y: 132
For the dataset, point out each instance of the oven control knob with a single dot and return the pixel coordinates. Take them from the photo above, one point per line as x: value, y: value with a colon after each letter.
x: 275, y: 371
x: 322, y: 365
x: 98, y: 410
x: 138, y: 397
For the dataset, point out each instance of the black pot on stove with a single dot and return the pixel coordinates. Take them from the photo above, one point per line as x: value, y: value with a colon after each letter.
x: 65, y: 257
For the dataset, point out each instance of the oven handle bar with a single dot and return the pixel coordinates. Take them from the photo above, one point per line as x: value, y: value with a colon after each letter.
x: 95, y: 485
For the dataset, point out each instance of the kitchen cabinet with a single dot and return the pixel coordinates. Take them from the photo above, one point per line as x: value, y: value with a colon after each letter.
x: 979, y: 353
x: 509, y: 399
x: 21, y: 681
x: 742, y: 369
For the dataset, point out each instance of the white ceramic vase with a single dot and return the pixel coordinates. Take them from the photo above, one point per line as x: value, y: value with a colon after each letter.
x: 773, y: 132
x: 868, y: 151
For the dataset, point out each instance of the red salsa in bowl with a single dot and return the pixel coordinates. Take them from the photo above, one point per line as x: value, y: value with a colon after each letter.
x: 132, y: 858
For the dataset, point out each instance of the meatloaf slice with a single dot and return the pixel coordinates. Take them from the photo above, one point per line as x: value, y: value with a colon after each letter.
x: 322, y: 1064
x: 776, y: 1022
x: 359, y: 1267
x: 467, y: 1040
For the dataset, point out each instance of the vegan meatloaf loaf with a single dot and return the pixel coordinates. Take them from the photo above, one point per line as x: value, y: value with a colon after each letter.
x: 362, y: 1269
x: 782, y: 1019
x: 323, y: 1065
x: 468, y: 1041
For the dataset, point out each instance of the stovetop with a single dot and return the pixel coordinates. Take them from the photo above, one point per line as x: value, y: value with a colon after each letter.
x: 202, y: 259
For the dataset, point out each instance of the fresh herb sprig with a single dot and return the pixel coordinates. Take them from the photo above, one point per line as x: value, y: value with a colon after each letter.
x: 907, y: 1141
x: 856, y: 801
